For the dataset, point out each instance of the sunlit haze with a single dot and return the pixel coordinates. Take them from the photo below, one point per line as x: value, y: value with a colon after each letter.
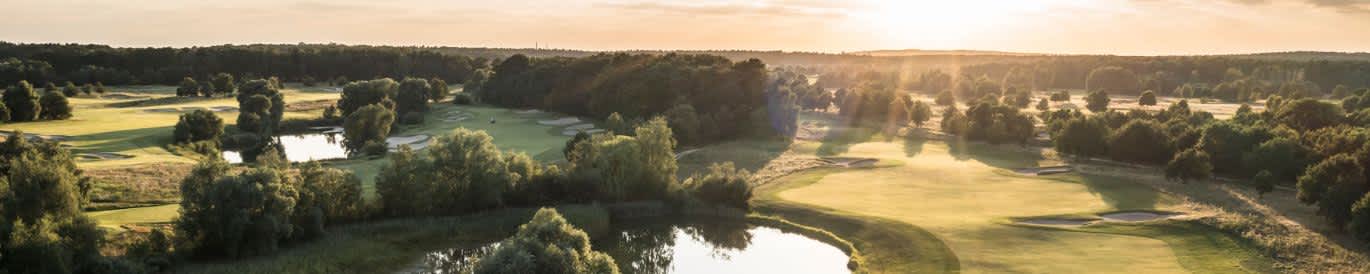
x: 1141, y: 27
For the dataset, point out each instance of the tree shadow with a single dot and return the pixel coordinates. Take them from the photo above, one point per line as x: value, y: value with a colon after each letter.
x: 913, y: 144
x: 122, y: 140
x: 839, y: 140
x: 750, y: 153
x: 999, y: 156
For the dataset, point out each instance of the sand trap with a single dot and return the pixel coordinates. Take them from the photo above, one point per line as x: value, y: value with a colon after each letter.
x: 581, y: 127
x: 850, y: 162
x: 31, y: 136
x: 528, y: 111
x: 328, y: 130
x: 683, y: 153
x: 1138, y: 216
x: 189, y: 109
x: 560, y: 122
x: 102, y: 156
x: 223, y: 109
x: 121, y: 96
x: 588, y: 131
x: 164, y: 110
x: 1056, y: 222
x: 415, y: 142
x: 1046, y: 170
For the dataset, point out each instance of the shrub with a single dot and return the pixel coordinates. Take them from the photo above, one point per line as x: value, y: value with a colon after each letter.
x: 188, y: 87
x: 463, y: 99
x: 370, y: 124
x: 1264, y: 182
x: 722, y: 185
x: 1097, y: 101
x: 920, y: 113
x: 945, y: 98
x: 326, y: 194
x: 54, y: 107
x: 630, y: 168
x: 1148, y: 98
x: 475, y: 176
x: 1086, y: 136
x: 1309, y: 114
x: 1043, y: 105
x: 375, y: 148
x: 1060, y: 96
x: 22, y: 102
x: 1140, y: 141
x: 235, y: 215
x: 70, y: 89
x: 1360, y: 219
x: 547, y: 244
x: 222, y: 83
x: 1191, y: 164
x: 1334, y: 185
x: 438, y: 90
x: 198, y: 125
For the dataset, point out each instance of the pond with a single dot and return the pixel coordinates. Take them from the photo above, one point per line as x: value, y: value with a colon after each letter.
x: 659, y: 247
x: 304, y: 147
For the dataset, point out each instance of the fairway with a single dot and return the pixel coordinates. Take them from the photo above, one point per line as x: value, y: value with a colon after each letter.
x: 966, y: 194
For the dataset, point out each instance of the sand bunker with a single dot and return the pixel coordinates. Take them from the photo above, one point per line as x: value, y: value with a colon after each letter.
x: 528, y: 111
x: 102, y: 156
x: 328, y: 130
x: 1056, y: 221
x: 574, y: 132
x: 164, y: 110
x: 121, y: 96
x: 415, y: 142
x: 1046, y: 170
x: 560, y: 122
x: 458, y: 116
x: 1138, y: 216
x: 39, y: 137
x: 581, y: 127
x: 849, y: 162
x: 223, y: 109
x: 683, y: 153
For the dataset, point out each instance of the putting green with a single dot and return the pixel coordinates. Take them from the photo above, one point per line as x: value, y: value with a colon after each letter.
x: 964, y: 194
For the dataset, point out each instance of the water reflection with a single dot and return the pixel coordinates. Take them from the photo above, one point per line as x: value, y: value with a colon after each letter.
x: 695, y: 247
x: 303, y: 147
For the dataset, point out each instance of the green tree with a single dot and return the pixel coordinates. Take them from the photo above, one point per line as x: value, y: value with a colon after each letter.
x: 222, y: 83
x: 1148, y: 98
x: 70, y: 89
x: 616, y: 124
x: 235, y: 215
x: 920, y: 113
x: 1140, y: 141
x: 54, y: 107
x: 1334, y: 185
x: 368, y: 125
x: 1083, y: 136
x: 1284, y: 158
x: 439, y: 89
x: 413, y: 96
x: 547, y: 244
x: 1060, y: 96
x: 723, y: 184
x: 359, y: 94
x: 326, y: 194
x: 22, y: 102
x: 260, y: 98
x: 1043, y: 105
x: 198, y: 125
x: 1264, y: 182
x: 1309, y: 114
x: 476, y: 175
x: 1097, y: 101
x: 188, y: 87
x: 1112, y: 79
x: 945, y: 98
x: 1190, y: 164
x: 1360, y: 219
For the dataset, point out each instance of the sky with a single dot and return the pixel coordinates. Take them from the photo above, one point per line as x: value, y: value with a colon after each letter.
x: 1124, y: 27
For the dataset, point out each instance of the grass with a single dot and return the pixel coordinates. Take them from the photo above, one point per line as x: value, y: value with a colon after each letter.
x: 115, y: 219
x: 961, y: 193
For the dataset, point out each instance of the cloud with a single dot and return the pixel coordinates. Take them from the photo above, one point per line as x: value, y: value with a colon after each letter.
x: 1358, y: 6
x: 772, y: 8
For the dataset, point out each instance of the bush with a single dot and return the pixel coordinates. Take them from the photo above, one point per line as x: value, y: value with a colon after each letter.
x: 71, y: 89
x: 1085, y: 136
x: 1334, y: 185
x: 463, y: 99
x: 22, y: 102
x: 945, y: 98
x: 188, y: 87
x: 1140, y: 141
x: 375, y: 148
x: 370, y: 124
x: 1191, y: 164
x: 1148, y: 98
x: 221, y: 83
x: 198, y: 125
x: 475, y: 176
x: 722, y: 185
x: 235, y: 215
x: 54, y: 107
x: 327, y: 194
x: 1097, y: 101
x: 413, y: 96
x: 631, y: 168
x: 1360, y: 219
x: 1264, y: 182
x: 439, y: 89
x: 1060, y: 96
x: 547, y: 244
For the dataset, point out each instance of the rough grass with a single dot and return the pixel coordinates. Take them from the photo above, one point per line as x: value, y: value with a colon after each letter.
x: 961, y: 193
x: 116, y: 219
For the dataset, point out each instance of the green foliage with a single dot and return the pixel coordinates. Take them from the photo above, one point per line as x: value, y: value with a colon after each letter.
x: 1097, y: 101
x: 1043, y: 105
x: 997, y: 123
x: 1148, y: 98
x: 684, y: 123
x: 370, y: 124
x: 54, y: 107
x: 722, y: 185
x: 1309, y: 114
x: 630, y: 168
x: 1282, y: 158
x: 236, y: 215
x: 1112, y: 79
x: 1334, y: 185
x: 547, y: 244
x: 1360, y: 219
x: 412, y: 96
x: 474, y: 176
x: 463, y: 99
x: 1264, y: 182
x: 1086, y: 136
x: 70, y: 89
x: 262, y: 99
x: 326, y: 194
x: 4, y: 113
x: 953, y: 122
x: 569, y: 150
x: 1226, y: 143
x: 222, y: 83
x: 42, y: 229
x: 154, y: 251
x: 356, y: 95
x: 1060, y: 96
x: 438, y: 89
x: 188, y: 87
x: 1190, y: 164
x: 920, y: 113
x: 198, y: 125
x: 1140, y: 141
x: 616, y: 124
x: 22, y: 102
